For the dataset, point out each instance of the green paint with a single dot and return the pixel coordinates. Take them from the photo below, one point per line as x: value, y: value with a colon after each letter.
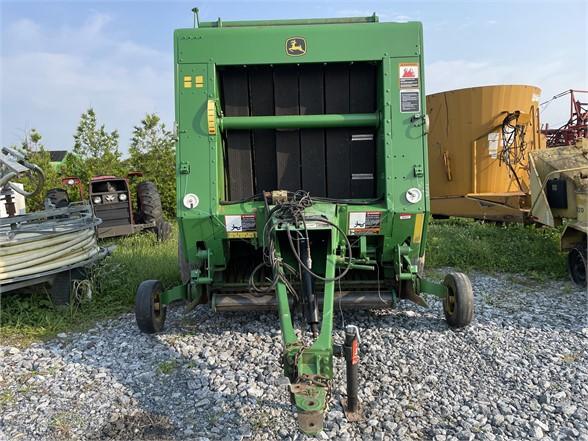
x: 299, y: 121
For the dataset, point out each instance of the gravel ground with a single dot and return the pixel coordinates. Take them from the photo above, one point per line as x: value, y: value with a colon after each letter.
x: 519, y: 371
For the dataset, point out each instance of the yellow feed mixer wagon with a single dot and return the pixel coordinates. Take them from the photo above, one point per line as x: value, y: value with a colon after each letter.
x: 479, y: 142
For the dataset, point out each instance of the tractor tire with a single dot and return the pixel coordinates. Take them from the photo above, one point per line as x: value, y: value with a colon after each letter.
x: 163, y: 230
x: 458, y: 306
x: 578, y: 265
x: 58, y: 197
x: 149, y: 203
x: 149, y: 311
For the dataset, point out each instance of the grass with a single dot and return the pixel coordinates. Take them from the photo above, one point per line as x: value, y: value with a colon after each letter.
x: 63, y: 423
x: 524, y: 251
x: 512, y: 248
x: 167, y: 367
x: 31, y: 316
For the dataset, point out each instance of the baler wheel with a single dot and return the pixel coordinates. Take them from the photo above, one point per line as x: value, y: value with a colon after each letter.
x: 149, y: 311
x: 458, y: 306
x: 577, y: 265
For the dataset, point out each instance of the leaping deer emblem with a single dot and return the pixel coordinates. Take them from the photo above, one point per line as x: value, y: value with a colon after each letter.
x: 296, y: 46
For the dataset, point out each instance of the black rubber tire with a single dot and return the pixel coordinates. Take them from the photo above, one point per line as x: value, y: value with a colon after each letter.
x: 58, y: 197
x: 458, y: 306
x: 577, y: 265
x: 163, y: 230
x: 61, y: 288
x: 149, y: 312
x: 149, y: 201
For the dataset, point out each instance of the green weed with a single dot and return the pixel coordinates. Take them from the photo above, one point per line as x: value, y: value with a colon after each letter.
x: 167, y: 367
x: 6, y: 398
x: 519, y: 249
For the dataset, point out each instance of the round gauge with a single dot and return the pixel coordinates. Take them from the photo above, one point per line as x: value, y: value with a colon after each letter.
x: 191, y: 200
x: 414, y: 195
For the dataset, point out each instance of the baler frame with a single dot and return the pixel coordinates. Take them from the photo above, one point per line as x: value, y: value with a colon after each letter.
x: 392, y: 249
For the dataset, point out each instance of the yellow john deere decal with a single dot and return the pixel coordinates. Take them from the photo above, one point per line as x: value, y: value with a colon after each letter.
x: 295, y: 46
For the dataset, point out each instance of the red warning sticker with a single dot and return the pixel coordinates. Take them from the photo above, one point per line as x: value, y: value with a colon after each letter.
x: 409, y: 75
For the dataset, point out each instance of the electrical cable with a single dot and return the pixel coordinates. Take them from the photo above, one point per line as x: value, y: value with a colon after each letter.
x: 513, y: 150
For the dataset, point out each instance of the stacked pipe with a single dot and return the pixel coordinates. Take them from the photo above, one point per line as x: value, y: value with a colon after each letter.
x: 34, y: 252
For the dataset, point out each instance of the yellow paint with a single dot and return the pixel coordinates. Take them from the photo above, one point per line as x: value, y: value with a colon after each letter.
x: 465, y: 140
x: 211, y: 117
x: 241, y: 234
x: 417, y: 234
x: 199, y: 81
x: 187, y: 82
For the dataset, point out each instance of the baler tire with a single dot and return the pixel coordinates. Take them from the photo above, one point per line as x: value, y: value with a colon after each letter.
x: 458, y: 305
x: 149, y: 311
x: 577, y: 263
x: 150, y: 209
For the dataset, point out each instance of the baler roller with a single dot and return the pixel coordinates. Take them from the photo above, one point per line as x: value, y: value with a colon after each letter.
x: 299, y: 121
x: 246, y: 301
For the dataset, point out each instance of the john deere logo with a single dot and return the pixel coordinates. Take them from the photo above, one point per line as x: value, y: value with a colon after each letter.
x: 296, y: 46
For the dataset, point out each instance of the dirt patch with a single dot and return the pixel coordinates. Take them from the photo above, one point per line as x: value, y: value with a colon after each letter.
x: 137, y: 426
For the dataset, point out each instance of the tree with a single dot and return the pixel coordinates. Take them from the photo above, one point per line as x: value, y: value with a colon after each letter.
x: 96, y: 147
x: 152, y: 151
x: 37, y: 154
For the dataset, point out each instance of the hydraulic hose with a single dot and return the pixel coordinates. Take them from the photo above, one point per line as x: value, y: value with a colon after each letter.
x: 303, y: 264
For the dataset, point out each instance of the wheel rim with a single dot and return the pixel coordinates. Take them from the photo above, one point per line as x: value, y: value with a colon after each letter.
x: 450, y: 302
x: 577, y: 267
x: 156, y: 304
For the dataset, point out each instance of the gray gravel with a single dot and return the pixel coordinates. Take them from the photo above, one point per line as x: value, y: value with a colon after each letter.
x: 519, y: 371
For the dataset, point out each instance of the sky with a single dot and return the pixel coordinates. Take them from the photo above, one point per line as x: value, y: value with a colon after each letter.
x: 57, y: 59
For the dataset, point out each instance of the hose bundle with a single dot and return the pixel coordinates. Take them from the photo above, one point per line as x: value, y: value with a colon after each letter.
x: 35, y: 246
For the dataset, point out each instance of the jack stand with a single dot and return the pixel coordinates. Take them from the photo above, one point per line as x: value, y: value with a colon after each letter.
x: 351, y: 406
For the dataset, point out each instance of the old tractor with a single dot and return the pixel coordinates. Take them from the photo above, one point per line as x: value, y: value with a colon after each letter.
x: 302, y: 185
x: 110, y: 198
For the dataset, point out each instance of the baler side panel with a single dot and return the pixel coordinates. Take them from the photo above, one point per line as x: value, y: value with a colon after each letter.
x: 196, y: 157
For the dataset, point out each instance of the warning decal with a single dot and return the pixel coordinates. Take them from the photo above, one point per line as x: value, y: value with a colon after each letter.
x: 365, y: 222
x: 410, y: 101
x: 409, y: 75
x: 241, y: 226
